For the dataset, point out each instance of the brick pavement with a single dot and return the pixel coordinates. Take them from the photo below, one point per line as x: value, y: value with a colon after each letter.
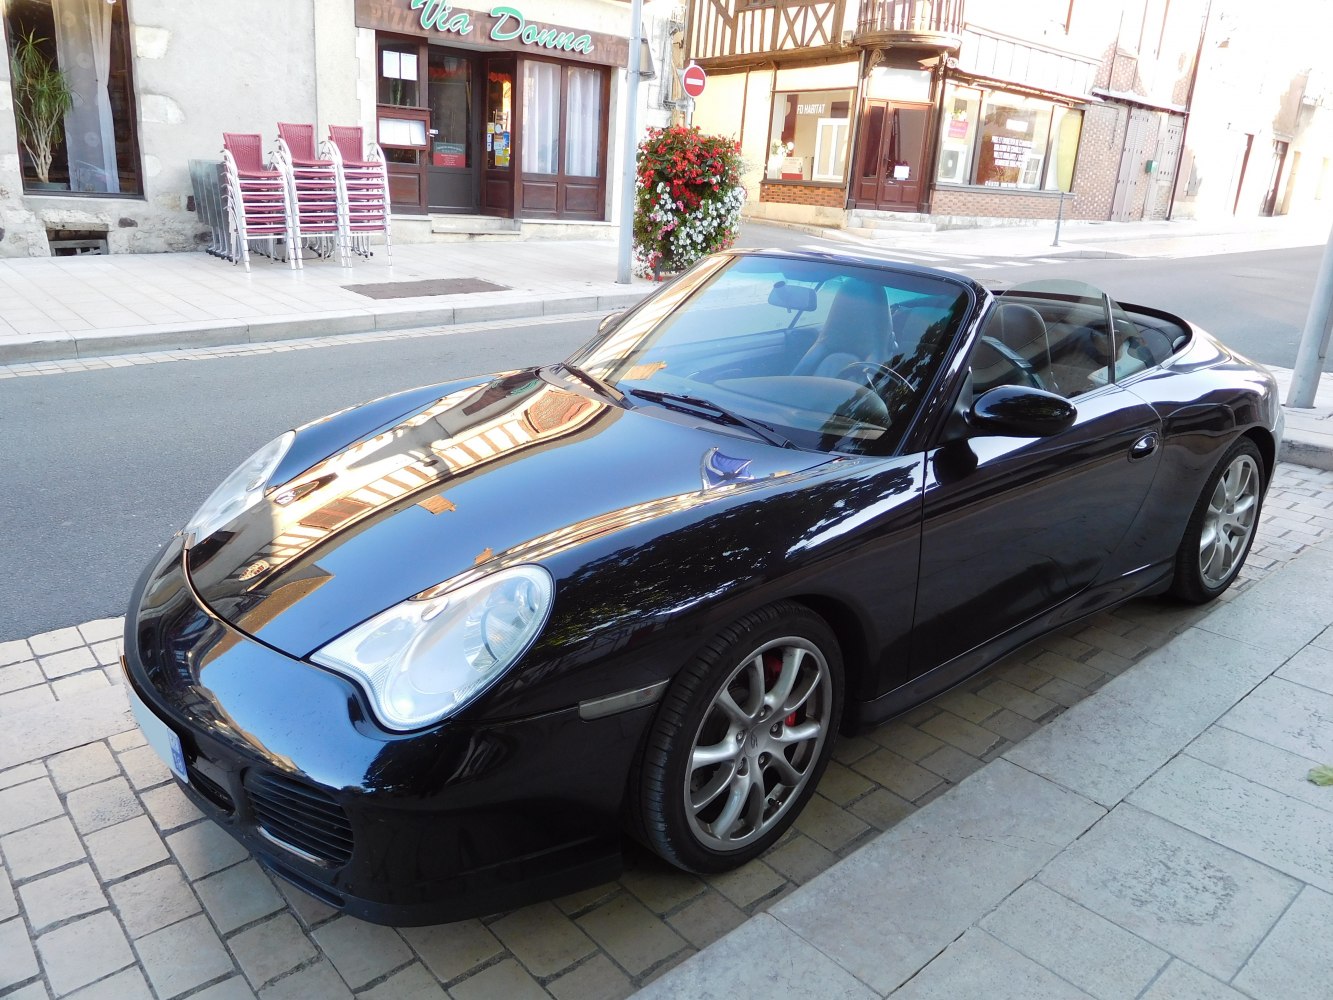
x: 113, y: 887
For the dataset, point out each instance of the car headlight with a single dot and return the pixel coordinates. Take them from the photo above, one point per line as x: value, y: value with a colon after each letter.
x: 423, y: 660
x: 240, y: 491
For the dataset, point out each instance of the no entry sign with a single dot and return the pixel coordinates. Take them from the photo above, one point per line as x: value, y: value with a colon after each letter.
x: 693, y: 80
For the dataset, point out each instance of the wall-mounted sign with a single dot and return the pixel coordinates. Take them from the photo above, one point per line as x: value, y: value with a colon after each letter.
x: 508, y: 24
x: 504, y: 25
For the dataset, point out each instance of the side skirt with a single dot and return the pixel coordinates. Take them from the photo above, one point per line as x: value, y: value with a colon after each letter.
x: 864, y: 715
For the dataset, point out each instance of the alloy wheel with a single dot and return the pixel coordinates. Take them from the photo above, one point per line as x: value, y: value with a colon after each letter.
x: 1229, y: 521
x: 758, y: 744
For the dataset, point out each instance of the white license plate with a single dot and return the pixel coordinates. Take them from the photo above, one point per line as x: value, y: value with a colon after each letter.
x: 159, y: 735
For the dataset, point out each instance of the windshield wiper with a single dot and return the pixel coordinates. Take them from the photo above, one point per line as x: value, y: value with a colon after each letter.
x: 594, y: 383
x: 713, y: 411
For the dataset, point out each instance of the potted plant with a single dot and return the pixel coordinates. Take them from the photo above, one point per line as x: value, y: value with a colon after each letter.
x: 41, y: 98
x: 688, y: 198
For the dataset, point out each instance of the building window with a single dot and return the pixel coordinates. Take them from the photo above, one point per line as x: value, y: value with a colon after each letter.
x: 995, y: 139
x: 399, y: 74
x: 85, y: 43
x: 562, y: 111
x: 541, y: 117
x: 809, y: 135
x: 583, y: 122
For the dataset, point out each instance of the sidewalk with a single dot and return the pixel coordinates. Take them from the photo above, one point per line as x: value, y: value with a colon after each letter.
x: 1158, y: 840
x: 56, y: 308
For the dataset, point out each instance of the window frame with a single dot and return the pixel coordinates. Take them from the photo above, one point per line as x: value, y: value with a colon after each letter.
x: 130, y: 175
x: 845, y: 177
x: 972, y: 153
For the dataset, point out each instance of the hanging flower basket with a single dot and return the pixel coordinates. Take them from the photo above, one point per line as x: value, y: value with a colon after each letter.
x: 688, y: 199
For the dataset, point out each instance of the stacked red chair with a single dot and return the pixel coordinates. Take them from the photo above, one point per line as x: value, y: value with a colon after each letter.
x: 363, y: 187
x: 256, y: 195
x: 312, y: 194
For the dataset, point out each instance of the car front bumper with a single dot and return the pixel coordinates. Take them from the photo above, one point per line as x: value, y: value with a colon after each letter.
x: 452, y: 822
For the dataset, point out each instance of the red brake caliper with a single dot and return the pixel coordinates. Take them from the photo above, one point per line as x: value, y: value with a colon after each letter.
x: 772, y: 668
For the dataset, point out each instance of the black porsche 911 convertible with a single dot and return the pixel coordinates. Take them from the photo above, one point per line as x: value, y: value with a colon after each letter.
x: 429, y: 657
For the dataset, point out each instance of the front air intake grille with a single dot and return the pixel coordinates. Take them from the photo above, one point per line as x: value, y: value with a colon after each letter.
x: 211, y: 790
x: 299, y: 816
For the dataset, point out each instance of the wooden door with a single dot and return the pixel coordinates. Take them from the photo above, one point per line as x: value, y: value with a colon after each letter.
x: 891, y: 153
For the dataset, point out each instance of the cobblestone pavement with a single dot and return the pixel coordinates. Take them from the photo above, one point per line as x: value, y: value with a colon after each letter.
x: 113, y: 887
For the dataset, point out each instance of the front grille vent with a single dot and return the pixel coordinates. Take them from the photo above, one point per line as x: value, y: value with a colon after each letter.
x: 211, y: 790
x: 300, y: 816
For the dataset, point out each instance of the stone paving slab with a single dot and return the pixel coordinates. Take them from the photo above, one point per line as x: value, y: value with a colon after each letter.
x: 96, y: 836
x: 1210, y: 875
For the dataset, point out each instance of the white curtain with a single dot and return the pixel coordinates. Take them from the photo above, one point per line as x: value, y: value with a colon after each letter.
x: 83, y: 44
x: 541, y: 118
x: 583, y: 122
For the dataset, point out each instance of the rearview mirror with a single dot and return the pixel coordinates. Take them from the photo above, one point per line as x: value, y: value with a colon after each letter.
x: 797, y: 297
x: 1020, y: 411
x: 609, y: 321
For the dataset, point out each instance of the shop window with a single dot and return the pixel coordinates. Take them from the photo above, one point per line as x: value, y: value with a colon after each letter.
x: 583, y: 122
x: 962, y: 109
x: 499, y: 108
x: 85, y: 44
x: 1066, y: 129
x: 994, y: 139
x: 562, y: 114
x: 398, y: 74
x: 808, y: 138
x: 1012, y: 141
x: 541, y: 117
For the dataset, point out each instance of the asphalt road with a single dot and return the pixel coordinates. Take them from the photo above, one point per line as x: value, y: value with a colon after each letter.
x: 1253, y: 302
x: 101, y: 467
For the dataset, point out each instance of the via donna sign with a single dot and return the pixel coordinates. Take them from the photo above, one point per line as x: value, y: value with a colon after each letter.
x: 510, y: 25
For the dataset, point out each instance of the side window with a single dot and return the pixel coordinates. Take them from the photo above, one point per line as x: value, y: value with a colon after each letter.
x: 1137, y: 346
x: 1057, y: 336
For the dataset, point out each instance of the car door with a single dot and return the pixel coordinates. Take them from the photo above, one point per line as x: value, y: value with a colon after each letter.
x: 1014, y: 526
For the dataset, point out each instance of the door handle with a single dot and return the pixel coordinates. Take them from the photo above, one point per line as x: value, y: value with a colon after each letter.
x: 1144, y: 446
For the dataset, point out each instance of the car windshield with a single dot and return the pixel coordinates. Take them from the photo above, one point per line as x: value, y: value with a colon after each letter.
x: 817, y: 353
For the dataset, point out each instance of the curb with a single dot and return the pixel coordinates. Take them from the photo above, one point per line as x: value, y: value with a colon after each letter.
x: 222, y: 333
x: 1305, y: 451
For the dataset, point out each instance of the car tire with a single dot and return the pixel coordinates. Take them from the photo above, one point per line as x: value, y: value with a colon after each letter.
x: 1222, y: 526
x: 740, y: 741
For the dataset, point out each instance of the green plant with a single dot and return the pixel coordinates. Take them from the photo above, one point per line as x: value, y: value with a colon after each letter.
x: 41, y: 98
x: 688, y: 198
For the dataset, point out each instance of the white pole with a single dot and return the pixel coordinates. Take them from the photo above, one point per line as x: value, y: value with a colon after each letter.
x: 1314, y: 341
x: 630, y: 144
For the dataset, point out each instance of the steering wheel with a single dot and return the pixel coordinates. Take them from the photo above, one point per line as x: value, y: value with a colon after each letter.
x: 876, y: 376
x: 1021, y: 364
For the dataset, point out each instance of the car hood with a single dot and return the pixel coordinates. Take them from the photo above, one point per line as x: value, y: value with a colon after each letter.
x: 514, y: 470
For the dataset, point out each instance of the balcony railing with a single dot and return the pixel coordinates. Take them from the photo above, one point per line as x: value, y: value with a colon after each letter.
x: 936, y: 23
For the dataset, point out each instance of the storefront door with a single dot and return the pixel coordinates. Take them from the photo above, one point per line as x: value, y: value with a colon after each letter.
x: 452, y: 160
x: 891, y: 156
x: 563, y: 149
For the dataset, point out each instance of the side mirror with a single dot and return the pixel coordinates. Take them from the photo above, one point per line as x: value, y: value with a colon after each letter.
x: 1020, y: 411
x: 609, y: 321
